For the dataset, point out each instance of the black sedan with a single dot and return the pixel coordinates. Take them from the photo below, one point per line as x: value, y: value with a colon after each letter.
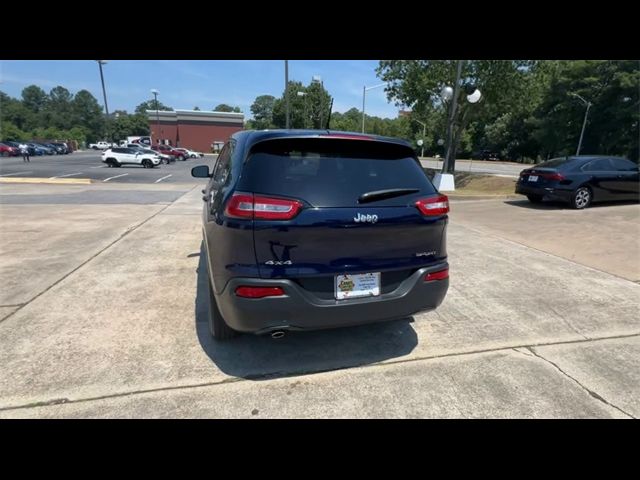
x: 580, y: 180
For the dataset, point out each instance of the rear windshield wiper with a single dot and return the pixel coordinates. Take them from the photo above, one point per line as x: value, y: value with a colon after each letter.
x: 382, y: 194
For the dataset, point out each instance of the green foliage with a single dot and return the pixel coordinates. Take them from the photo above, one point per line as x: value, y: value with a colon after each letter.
x: 527, y: 112
x: 262, y: 110
x: 223, y: 107
x: 151, y: 105
x: 308, y: 110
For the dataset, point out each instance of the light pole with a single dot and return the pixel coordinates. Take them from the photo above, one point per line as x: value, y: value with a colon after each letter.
x: 155, y: 99
x: 424, y: 134
x: 104, y: 94
x: 365, y: 89
x: 286, y: 93
x: 306, y: 112
x: 584, y: 123
x: 445, y: 180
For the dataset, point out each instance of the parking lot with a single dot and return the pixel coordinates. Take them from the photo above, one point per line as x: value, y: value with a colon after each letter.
x: 88, y: 165
x: 103, y: 311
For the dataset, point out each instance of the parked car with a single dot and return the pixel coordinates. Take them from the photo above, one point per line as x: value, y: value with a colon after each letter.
x: 7, y: 150
x: 190, y: 153
x: 64, y: 148
x: 37, y: 149
x: 313, y: 229
x: 488, y: 155
x: 169, y: 151
x: 101, y: 145
x: 118, y: 156
x: 164, y: 158
x: 581, y: 180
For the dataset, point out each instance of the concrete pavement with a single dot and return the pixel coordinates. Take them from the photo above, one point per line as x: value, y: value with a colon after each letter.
x: 120, y: 329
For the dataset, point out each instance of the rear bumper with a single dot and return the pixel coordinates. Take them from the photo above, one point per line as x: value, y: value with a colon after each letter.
x: 299, y: 310
x: 548, y: 192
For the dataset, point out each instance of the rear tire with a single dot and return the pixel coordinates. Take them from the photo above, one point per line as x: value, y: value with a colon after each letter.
x: 581, y: 198
x: 535, y: 198
x: 217, y: 326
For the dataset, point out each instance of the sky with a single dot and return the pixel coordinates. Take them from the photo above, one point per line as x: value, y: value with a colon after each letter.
x: 184, y: 84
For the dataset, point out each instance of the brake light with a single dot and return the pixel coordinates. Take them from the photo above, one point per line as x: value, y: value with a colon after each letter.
x: 259, y: 292
x: 552, y: 176
x: 347, y: 136
x: 433, y: 206
x: 248, y: 205
x: 439, y: 275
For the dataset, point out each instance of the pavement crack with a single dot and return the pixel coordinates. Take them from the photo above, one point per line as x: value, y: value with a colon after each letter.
x: 66, y: 275
x: 584, y: 387
x: 298, y: 373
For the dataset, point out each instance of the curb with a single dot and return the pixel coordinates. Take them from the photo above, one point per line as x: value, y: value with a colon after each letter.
x: 481, y: 197
x: 63, y: 181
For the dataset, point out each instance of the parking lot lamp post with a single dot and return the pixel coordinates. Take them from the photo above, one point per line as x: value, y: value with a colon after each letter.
x: 424, y: 134
x: 286, y: 93
x: 155, y: 99
x: 104, y: 94
x: 306, y: 111
x: 365, y: 89
x: 584, y: 123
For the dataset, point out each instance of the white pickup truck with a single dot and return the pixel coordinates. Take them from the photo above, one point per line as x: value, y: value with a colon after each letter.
x: 100, y: 145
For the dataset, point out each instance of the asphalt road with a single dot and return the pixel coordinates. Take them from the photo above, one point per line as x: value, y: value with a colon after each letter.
x: 88, y: 164
x: 507, y: 169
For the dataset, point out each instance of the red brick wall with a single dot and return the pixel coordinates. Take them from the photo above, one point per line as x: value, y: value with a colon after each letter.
x: 193, y: 136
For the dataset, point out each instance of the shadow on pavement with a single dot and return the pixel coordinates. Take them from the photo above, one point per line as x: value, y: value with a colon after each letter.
x: 549, y: 205
x: 261, y: 357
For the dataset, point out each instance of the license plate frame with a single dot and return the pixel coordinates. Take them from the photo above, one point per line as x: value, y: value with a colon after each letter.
x: 357, y: 285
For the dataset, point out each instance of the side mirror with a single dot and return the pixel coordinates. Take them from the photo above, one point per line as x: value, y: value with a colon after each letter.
x: 201, y: 171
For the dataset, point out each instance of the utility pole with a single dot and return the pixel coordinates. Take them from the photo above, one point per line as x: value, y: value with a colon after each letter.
x: 104, y: 94
x: 286, y: 93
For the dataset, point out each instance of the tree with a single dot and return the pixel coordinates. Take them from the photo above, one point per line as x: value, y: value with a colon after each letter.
x: 58, y: 110
x: 310, y: 110
x: 87, y: 112
x: 196, y: 108
x: 151, y: 105
x: 418, y: 83
x: 223, y: 107
x: 34, y: 98
x: 613, y: 88
x: 262, y: 110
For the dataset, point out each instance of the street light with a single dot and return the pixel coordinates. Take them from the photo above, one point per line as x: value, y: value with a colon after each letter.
x: 104, y: 94
x: 424, y: 134
x: 445, y: 180
x: 155, y: 98
x: 306, y: 113
x: 286, y: 93
x: 584, y: 123
x: 365, y: 89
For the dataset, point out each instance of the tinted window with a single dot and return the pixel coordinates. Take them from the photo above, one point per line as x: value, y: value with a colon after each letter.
x: 623, y: 165
x: 223, y: 165
x: 118, y: 150
x: 553, y: 163
x: 329, y: 173
x: 600, y: 165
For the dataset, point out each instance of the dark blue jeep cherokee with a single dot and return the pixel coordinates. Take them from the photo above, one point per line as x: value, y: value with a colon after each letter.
x: 310, y: 229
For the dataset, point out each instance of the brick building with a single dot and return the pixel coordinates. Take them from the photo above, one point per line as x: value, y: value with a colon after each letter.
x: 194, y: 129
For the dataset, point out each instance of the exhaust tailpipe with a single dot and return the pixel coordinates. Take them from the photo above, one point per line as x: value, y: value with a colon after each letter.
x: 277, y: 334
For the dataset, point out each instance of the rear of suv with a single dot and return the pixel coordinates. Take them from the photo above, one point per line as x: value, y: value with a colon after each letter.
x: 308, y: 230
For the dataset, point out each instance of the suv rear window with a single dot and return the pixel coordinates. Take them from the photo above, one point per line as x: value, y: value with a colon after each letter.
x: 332, y: 173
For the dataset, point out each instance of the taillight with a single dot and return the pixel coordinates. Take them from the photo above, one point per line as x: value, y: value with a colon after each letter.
x: 433, y: 206
x: 248, y: 205
x: 439, y: 275
x: 553, y: 176
x: 259, y: 292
